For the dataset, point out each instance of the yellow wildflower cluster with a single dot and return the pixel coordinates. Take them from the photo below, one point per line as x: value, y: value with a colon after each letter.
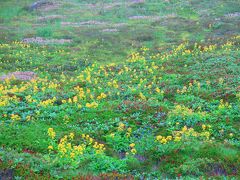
x: 183, y: 134
x: 223, y: 105
x: 163, y: 139
x: 48, y: 102
x: 92, y: 105
x: 159, y: 90
x: 136, y: 56
x: 80, y: 91
x: 204, y: 126
x: 133, y: 150
x: 102, y: 96
x: 67, y: 150
x: 142, y: 96
x: 3, y: 102
x: 113, y: 84
x: 209, y: 48
x: 129, y: 131
x: 227, y: 45
x: 121, y: 126
x: 185, y: 112
x: 99, y: 148
x: 51, y: 133
x: 52, y: 85
x: 189, y: 88
x: 15, y: 117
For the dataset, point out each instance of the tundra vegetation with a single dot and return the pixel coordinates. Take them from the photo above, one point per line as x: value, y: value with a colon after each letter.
x: 119, y: 89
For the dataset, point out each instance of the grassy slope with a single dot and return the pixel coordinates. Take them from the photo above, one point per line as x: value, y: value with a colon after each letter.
x: 27, y: 142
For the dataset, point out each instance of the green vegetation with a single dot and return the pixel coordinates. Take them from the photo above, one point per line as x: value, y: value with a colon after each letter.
x: 120, y: 89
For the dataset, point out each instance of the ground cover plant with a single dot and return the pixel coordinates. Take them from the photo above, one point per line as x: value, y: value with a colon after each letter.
x: 124, y: 91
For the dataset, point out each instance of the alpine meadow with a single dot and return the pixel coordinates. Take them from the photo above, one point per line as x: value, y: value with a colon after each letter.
x: 120, y: 89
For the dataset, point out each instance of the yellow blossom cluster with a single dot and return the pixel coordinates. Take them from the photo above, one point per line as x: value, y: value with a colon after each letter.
x: 48, y: 102
x: 189, y: 88
x: 223, y: 105
x: 133, y: 149
x: 121, y: 126
x: 184, y: 133
x: 129, y: 131
x: 102, y: 96
x: 209, y: 48
x: 163, y: 139
x: 185, y: 112
x: 51, y: 133
x: 98, y: 147
x: 136, y: 56
x: 3, y: 102
x: 142, y: 96
x: 15, y: 117
x: 67, y: 150
x: 92, y: 105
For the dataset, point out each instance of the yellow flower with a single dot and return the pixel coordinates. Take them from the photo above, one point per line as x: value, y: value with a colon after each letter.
x: 132, y: 145
x: 158, y: 90
x: 159, y: 138
x: 163, y: 141
x: 169, y: 138
x: 129, y: 129
x: 71, y: 135
x: 142, y: 96
x: 28, y: 118
x: 177, y: 138
x: 121, y: 126
x: 69, y: 145
x: 133, y: 151
x: 101, y: 96
x: 184, y: 129
x: 88, y: 105
x: 72, y: 155
x: 203, y: 126
x: 15, y: 117
x: 51, y: 133
x: 75, y: 99
x: 92, y: 105
x: 50, y: 147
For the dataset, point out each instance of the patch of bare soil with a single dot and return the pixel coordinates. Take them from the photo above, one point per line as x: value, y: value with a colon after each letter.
x: 84, y: 23
x: 40, y: 40
x: 232, y: 15
x: 19, y: 75
x: 110, y: 30
x: 50, y: 18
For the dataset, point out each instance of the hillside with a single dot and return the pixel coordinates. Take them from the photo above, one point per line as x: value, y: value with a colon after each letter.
x: 119, y: 89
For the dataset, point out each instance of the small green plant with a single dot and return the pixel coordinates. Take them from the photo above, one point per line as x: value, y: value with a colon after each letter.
x: 46, y: 31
